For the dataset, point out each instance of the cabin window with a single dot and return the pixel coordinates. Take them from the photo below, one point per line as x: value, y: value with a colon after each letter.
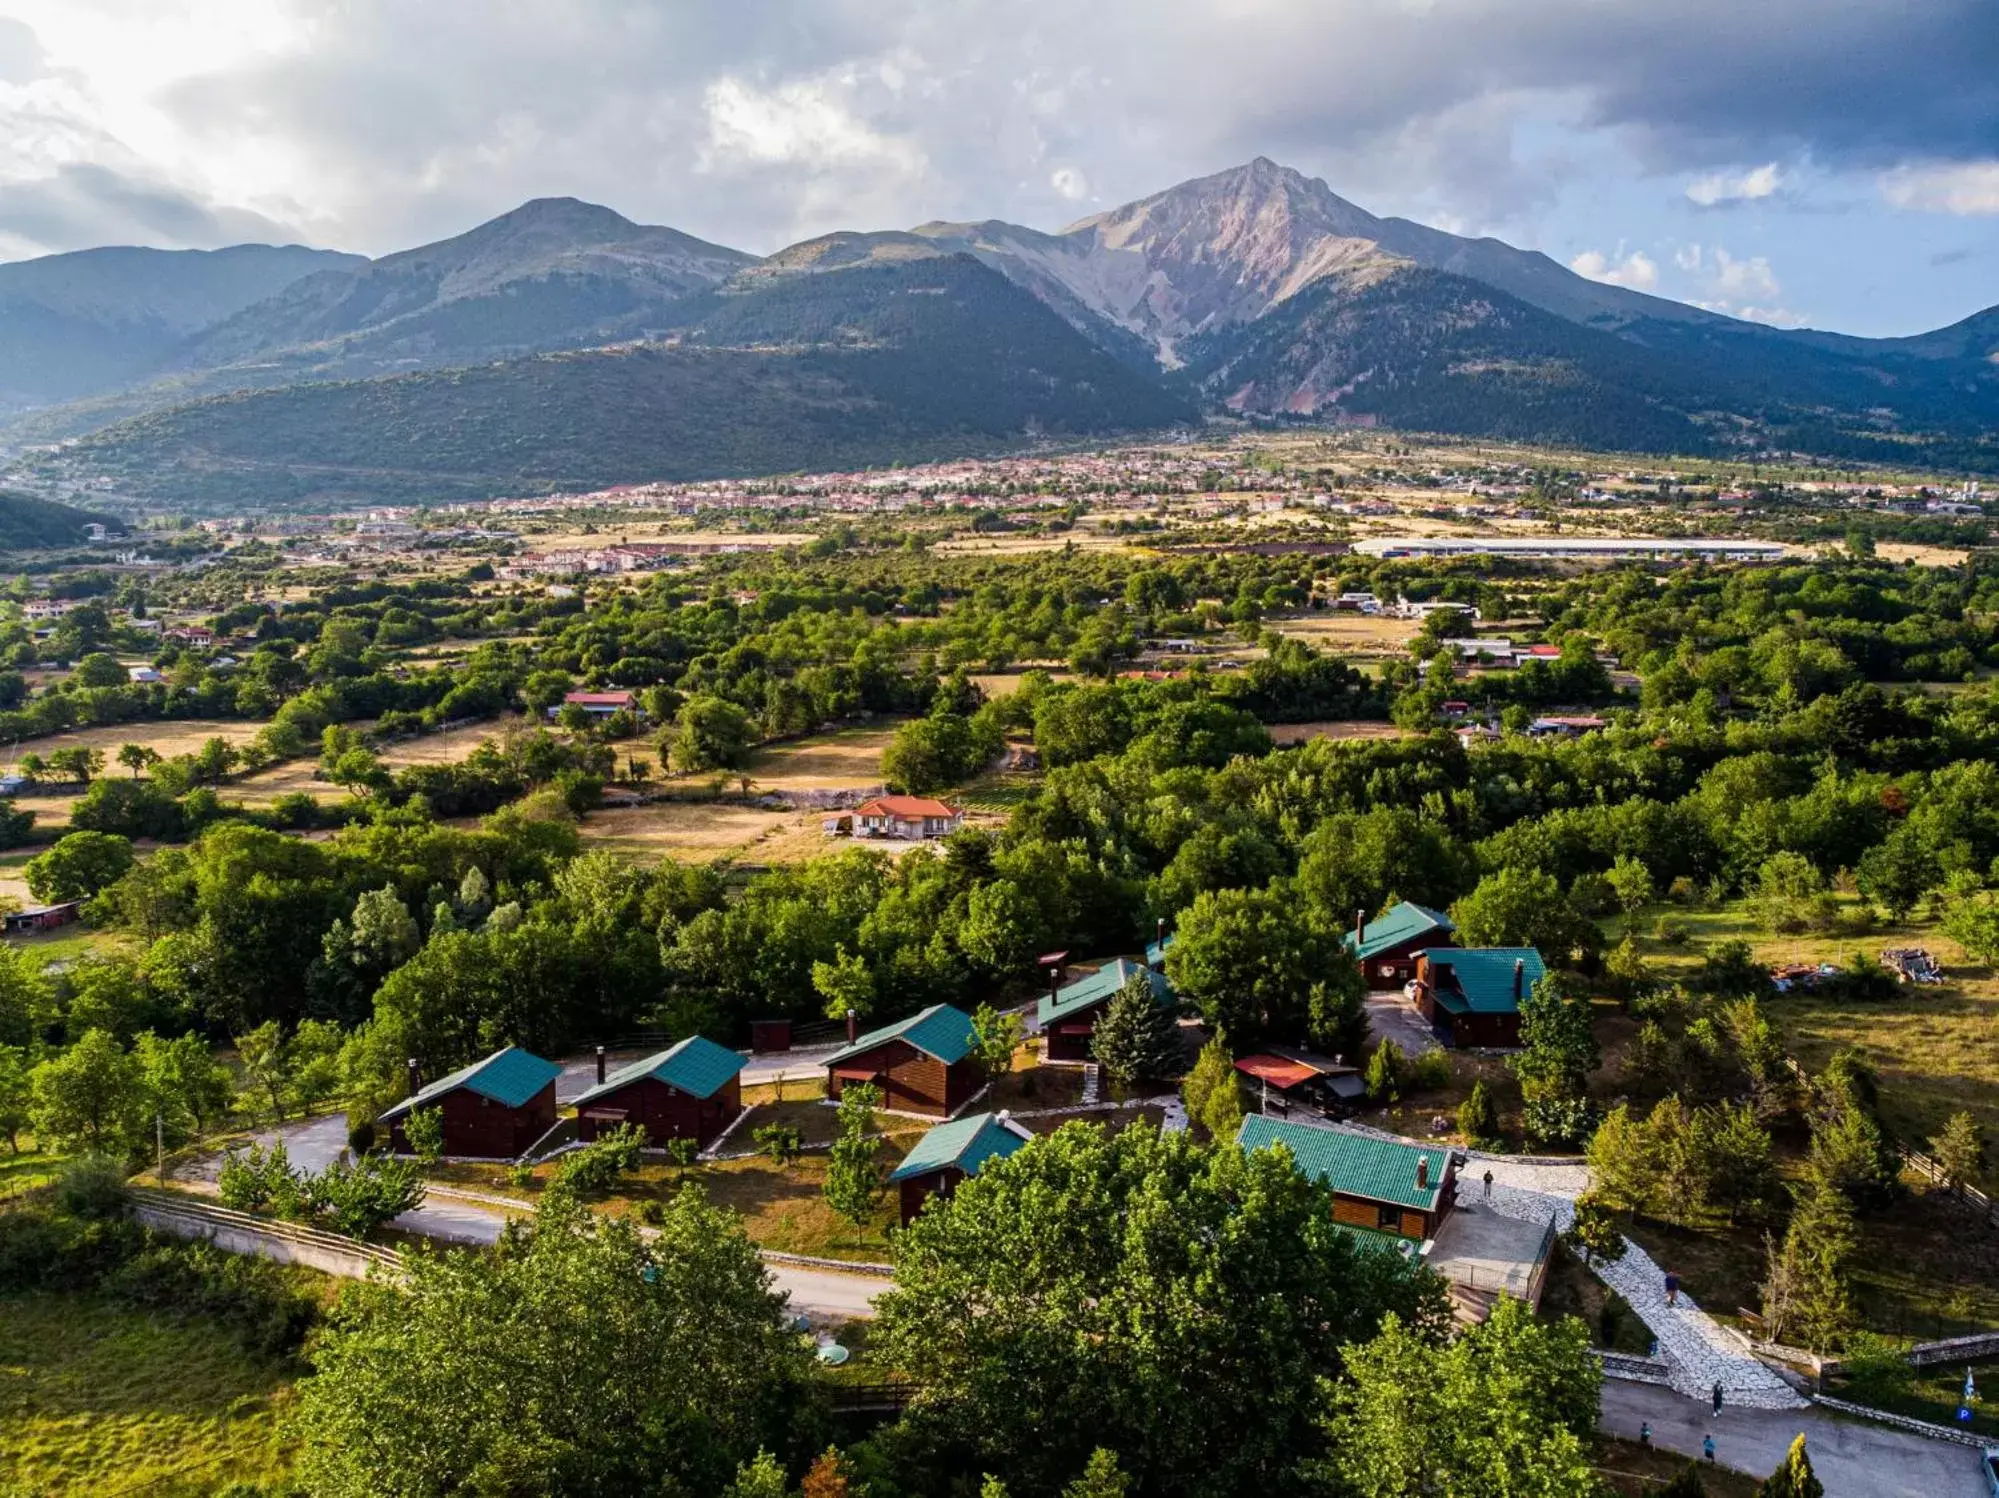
x: 1388, y: 1219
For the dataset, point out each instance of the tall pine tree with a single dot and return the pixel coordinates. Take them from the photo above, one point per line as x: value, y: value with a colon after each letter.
x: 1136, y: 1039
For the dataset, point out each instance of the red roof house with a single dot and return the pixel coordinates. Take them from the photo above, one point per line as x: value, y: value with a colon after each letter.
x: 908, y: 817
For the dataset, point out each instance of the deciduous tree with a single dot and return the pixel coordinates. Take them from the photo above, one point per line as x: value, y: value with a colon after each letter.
x: 1153, y: 1290
x: 559, y: 1363
x: 1507, y: 1408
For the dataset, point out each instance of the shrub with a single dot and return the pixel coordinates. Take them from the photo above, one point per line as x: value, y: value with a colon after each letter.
x: 93, y: 1186
x: 594, y: 1169
x: 1671, y: 930
x: 1478, y: 1118
x: 361, y: 1135
x: 1430, y: 1070
x: 782, y: 1142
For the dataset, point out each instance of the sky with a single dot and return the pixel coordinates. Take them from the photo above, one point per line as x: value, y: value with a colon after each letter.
x: 1831, y: 163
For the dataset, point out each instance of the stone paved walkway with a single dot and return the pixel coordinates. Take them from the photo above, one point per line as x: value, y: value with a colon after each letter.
x: 1697, y: 1349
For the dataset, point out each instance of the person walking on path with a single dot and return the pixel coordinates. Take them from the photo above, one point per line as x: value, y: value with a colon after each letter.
x: 1488, y: 1186
x: 1672, y: 1288
x: 1717, y: 1399
x: 1707, y: 1447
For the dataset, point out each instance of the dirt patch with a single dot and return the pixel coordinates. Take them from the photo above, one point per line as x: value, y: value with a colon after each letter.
x: 847, y: 760
x: 1347, y: 633
x: 1287, y: 734
x: 1922, y: 556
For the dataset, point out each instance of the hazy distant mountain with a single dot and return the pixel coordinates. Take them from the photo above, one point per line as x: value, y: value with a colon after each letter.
x: 72, y: 325
x: 1256, y: 291
x: 554, y: 273
x: 869, y: 364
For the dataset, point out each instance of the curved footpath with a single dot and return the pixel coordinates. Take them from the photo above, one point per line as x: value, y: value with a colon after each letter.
x: 1698, y: 1351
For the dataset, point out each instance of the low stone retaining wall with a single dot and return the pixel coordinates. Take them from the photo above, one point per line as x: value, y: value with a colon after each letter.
x: 809, y: 1261
x: 240, y: 1233
x: 1902, y: 1422
x: 1632, y: 1369
x: 1954, y: 1350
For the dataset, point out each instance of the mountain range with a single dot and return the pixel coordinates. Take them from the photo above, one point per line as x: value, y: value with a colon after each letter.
x: 561, y: 344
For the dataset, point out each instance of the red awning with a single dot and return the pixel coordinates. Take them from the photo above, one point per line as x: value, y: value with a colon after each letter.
x: 1276, y: 1070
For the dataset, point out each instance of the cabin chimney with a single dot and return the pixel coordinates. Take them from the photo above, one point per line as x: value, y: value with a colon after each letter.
x: 1519, y: 978
x: 853, y: 1027
x: 1359, y: 929
x: 416, y: 1080
x: 1422, y: 1172
x: 1159, y: 929
x: 600, y: 1066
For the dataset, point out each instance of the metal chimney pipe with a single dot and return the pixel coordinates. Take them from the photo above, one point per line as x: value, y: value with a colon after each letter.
x: 1519, y: 978
x: 1359, y: 929
x: 416, y: 1079
x: 853, y: 1027
x: 600, y: 1066
x: 1422, y: 1172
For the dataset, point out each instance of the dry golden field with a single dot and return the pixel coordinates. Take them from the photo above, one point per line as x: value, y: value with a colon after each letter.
x: 849, y: 759
x: 1345, y: 633
x: 1286, y: 734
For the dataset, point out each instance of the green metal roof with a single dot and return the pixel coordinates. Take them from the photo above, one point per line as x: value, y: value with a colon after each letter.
x: 964, y: 1144
x: 1403, y: 1248
x: 1093, y: 989
x: 510, y: 1078
x: 695, y: 1065
x: 1155, y: 951
x: 1379, y: 1170
x: 1401, y: 924
x: 939, y: 1031
x: 1481, y: 978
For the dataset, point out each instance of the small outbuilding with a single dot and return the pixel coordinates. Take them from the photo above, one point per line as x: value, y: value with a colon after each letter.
x: 949, y: 1153
x: 1304, y: 1077
x: 1383, y: 1185
x: 691, y: 1090
x: 492, y: 1110
x: 922, y: 1064
x: 1067, y: 1018
x: 1386, y: 946
x: 42, y: 917
x: 1471, y: 995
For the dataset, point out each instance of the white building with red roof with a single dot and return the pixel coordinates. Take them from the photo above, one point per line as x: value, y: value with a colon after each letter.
x: 906, y: 817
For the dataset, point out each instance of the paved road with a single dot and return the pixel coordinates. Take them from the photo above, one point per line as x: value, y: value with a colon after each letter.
x: 822, y: 1294
x: 1853, y: 1458
x: 1390, y: 1016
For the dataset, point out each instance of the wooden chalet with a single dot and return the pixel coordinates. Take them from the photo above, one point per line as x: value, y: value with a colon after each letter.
x: 1471, y: 995
x: 922, y: 1064
x: 1380, y: 1185
x: 949, y: 1153
x: 688, y: 1091
x: 1386, y: 946
x: 492, y: 1110
x: 1067, y: 1018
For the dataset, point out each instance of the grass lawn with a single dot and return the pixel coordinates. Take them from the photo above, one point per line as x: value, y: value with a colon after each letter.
x: 27, y: 1170
x: 95, y: 1399
x: 1633, y: 1471
x: 783, y: 1208
x: 1937, y: 1049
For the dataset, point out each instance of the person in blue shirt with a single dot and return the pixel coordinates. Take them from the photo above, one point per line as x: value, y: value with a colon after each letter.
x: 1707, y: 1447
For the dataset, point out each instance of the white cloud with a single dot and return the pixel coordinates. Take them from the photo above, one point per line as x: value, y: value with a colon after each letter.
x: 1736, y: 287
x: 1964, y: 188
x: 1069, y: 183
x: 1637, y: 270
x: 1718, y: 188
